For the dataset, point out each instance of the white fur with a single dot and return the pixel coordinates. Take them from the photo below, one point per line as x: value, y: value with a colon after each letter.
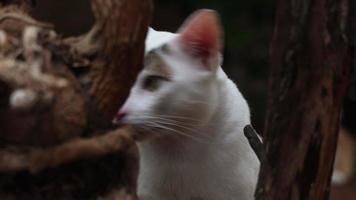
x: 214, y: 161
x: 338, y: 177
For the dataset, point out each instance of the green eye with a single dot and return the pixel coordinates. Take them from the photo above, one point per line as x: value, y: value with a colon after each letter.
x: 152, y: 83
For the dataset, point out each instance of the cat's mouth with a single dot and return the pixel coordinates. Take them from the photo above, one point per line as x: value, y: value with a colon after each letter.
x: 144, y: 128
x: 141, y: 130
x: 149, y: 127
x: 145, y: 132
x: 119, y: 124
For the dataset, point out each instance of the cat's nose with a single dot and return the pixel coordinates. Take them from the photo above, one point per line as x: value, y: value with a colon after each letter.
x: 119, y: 117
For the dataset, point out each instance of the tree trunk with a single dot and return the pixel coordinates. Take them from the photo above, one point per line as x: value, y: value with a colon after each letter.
x: 351, y: 30
x: 310, y: 73
x: 58, y: 97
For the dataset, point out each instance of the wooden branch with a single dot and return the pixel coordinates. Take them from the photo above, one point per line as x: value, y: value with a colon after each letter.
x: 310, y: 73
x: 48, y: 89
x: 37, y: 159
x: 39, y: 88
x: 255, y: 142
x: 121, y: 58
x: 24, y: 5
x: 50, y: 114
x: 351, y: 29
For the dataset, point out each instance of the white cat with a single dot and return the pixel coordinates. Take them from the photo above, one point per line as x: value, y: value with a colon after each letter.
x: 195, y: 116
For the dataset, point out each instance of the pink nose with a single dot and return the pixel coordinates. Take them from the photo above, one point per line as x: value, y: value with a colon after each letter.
x: 120, y: 115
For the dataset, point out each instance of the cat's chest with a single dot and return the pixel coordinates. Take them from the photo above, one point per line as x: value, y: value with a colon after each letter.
x: 182, y: 191
x: 224, y: 170
x: 204, y: 178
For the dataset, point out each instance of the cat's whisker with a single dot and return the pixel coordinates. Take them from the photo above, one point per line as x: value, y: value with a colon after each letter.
x: 197, y: 136
x: 196, y: 102
x: 171, y: 129
x: 178, y: 117
x: 189, y: 129
x: 181, y: 133
x: 186, y: 126
x: 174, y: 124
x: 182, y: 124
x: 192, y: 125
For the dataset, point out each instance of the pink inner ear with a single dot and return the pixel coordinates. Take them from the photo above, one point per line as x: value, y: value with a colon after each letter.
x: 201, y: 34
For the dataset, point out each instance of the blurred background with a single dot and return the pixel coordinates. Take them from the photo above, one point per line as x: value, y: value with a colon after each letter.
x: 248, y: 27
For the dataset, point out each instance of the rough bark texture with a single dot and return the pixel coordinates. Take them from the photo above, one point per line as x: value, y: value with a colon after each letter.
x: 57, y: 99
x: 310, y: 73
x: 351, y: 30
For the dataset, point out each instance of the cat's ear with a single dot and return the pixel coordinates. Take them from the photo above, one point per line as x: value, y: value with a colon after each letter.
x: 201, y: 36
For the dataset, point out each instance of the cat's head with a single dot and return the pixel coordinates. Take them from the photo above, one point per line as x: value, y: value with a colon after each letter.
x: 178, y: 84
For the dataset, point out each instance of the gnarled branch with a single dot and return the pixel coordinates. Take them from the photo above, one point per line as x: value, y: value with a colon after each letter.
x: 50, y: 114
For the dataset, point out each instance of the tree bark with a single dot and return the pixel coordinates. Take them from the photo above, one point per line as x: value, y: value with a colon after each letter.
x: 311, y: 61
x: 58, y: 97
x: 351, y: 34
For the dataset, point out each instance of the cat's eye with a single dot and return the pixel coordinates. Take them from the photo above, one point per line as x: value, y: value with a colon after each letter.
x: 152, y: 82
